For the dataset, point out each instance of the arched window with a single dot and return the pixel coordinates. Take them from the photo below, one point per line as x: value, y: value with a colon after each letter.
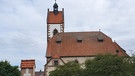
x: 55, y: 31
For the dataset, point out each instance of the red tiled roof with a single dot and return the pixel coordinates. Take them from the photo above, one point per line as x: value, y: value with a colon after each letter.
x: 56, y: 56
x: 89, y: 46
x: 27, y: 63
x: 54, y: 19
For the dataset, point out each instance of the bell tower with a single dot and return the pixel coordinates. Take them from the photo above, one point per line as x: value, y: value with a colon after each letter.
x: 55, y: 21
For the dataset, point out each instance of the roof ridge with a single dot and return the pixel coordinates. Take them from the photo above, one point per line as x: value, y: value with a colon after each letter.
x: 83, y: 32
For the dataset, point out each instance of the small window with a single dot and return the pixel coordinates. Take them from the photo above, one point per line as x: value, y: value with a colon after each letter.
x: 76, y: 61
x: 55, y: 62
x: 100, y: 38
x: 117, y: 51
x: 79, y: 39
x: 58, y: 41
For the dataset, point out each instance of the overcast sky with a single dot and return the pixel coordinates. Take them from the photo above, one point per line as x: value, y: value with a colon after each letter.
x: 23, y: 25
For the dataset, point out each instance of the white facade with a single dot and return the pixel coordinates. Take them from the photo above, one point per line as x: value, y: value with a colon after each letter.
x: 52, y: 27
x: 27, y: 73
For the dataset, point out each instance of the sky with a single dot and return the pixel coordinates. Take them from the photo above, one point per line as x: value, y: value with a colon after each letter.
x: 23, y: 33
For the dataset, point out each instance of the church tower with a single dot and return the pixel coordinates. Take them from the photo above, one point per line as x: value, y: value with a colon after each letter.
x: 55, y: 21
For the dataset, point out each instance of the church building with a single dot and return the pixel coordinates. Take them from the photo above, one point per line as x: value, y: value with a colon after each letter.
x: 63, y: 47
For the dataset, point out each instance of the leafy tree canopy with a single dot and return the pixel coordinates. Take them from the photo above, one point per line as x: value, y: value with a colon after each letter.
x: 101, y: 65
x: 69, y: 69
x: 105, y: 65
x: 7, y: 70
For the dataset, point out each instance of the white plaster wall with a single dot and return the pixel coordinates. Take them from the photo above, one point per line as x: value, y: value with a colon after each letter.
x: 34, y: 70
x: 52, y: 27
x: 48, y: 69
x: 27, y: 73
x: 80, y: 59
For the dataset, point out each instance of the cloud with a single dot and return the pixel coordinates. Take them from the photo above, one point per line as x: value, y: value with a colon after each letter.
x: 22, y: 32
x: 23, y: 25
x: 114, y: 17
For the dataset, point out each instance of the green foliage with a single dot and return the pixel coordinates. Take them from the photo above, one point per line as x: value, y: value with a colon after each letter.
x: 69, y: 69
x: 101, y: 65
x: 110, y: 65
x: 132, y: 65
x: 105, y: 65
x: 7, y: 70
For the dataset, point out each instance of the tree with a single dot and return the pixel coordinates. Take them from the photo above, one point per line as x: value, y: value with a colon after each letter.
x: 101, y: 65
x: 132, y: 65
x: 69, y: 69
x: 108, y: 65
x: 7, y: 70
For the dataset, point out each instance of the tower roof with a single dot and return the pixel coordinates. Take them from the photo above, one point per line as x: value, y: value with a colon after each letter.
x: 55, y: 16
x: 55, y: 19
x: 55, y: 5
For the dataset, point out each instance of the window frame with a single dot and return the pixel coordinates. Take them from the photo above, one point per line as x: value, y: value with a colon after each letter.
x: 55, y: 62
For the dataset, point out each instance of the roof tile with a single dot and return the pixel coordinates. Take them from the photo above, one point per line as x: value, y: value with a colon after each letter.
x: 27, y: 63
x: 54, y: 19
x: 88, y: 47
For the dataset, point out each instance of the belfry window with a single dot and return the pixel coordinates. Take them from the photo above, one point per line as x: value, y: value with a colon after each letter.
x: 55, y: 31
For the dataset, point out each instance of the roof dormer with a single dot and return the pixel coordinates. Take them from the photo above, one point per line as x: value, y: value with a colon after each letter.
x: 79, y: 39
x: 100, y: 38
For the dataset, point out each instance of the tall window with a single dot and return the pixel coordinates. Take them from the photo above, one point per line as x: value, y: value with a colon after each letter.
x: 55, y: 31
